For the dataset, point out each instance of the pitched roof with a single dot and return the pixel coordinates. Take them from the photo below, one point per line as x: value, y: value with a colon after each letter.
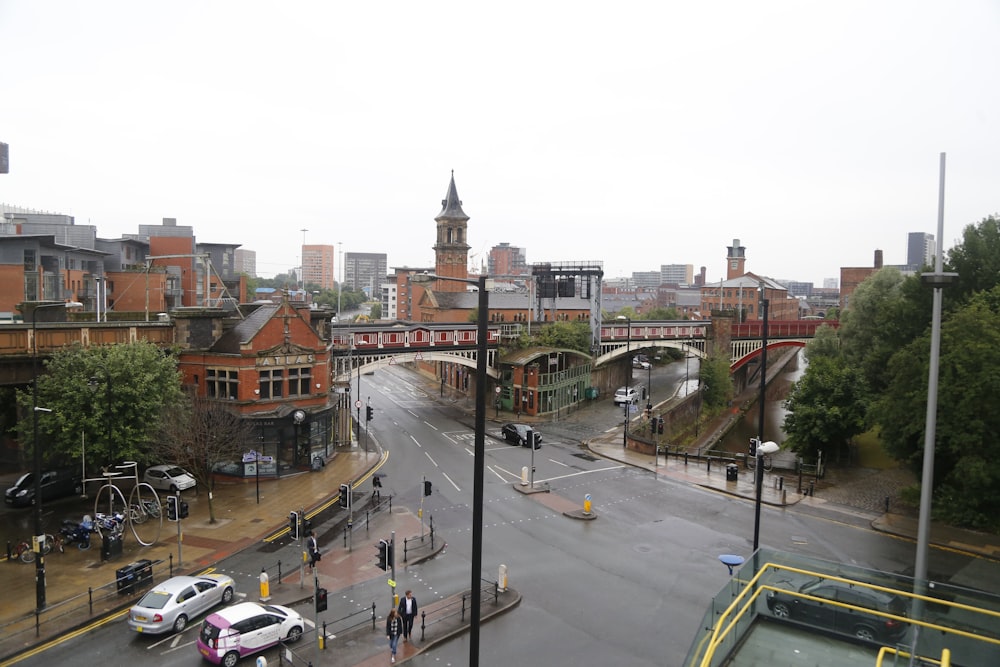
x: 451, y: 205
x: 231, y: 341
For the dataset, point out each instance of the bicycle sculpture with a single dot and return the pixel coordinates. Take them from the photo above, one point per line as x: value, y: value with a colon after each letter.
x: 141, y: 509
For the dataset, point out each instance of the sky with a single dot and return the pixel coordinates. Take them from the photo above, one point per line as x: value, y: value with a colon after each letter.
x: 636, y: 134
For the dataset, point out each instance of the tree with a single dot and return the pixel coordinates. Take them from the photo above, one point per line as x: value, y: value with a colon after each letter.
x: 107, y: 398
x: 200, y: 433
x: 967, y: 481
x: 825, y: 408
x: 376, y: 311
x: 976, y: 259
x: 566, y: 335
x: 825, y: 343
x: 715, y: 380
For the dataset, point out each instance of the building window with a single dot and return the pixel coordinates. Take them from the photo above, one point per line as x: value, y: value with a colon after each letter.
x: 270, y: 383
x: 222, y: 383
x: 299, y: 380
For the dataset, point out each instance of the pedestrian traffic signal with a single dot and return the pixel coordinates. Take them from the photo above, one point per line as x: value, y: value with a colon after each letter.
x: 293, y: 525
x: 427, y: 487
x: 172, y: 508
x: 345, y: 496
x: 384, y: 555
x: 182, y: 509
x: 659, y: 425
x: 369, y: 413
x: 320, y: 600
x: 754, y: 443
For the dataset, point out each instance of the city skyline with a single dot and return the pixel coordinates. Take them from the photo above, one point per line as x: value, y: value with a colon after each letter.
x: 652, y: 134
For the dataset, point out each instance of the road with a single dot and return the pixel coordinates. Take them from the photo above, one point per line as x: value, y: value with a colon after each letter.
x: 629, y: 587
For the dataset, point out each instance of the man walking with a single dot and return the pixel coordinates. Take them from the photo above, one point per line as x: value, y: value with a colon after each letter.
x: 408, y: 610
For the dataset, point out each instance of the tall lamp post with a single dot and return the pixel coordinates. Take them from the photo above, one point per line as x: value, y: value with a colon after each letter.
x: 759, y: 444
x: 37, y: 453
x: 628, y: 378
x: 482, y: 332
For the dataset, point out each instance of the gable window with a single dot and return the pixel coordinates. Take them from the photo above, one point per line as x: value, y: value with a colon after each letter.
x: 299, y: 380
x: 222, y: 383
x: 270, y: 383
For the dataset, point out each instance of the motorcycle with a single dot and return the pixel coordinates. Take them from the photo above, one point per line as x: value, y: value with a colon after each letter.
x: 78, y: 532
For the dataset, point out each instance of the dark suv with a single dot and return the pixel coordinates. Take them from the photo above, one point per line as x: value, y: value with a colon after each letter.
x: 518, y: 433
x: 859, y: 624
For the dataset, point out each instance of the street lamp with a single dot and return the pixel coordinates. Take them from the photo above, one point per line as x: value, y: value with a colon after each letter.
x: 628, y: 378
x: 760, y: 421
x: 482, y: 332
x: 760, y: 449
x: 37, y: 453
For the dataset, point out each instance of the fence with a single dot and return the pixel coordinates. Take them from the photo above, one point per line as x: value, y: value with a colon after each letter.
x: 450, y: 610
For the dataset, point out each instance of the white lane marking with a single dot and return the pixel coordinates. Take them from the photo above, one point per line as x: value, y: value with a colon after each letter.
x: 457, y: 488
x: 564, y: 465
x: 508, y: 472
x: 582, y: 472
x: 416, y: 443
x: 499, y: 476
x: 432, y: 459
x: 431, y: 425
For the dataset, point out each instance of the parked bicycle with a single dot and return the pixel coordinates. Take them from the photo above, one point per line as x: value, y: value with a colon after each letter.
x: 24, y: 552
x: 78, y: 533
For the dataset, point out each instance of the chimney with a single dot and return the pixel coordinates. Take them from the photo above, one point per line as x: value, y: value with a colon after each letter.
x: 878, y: 259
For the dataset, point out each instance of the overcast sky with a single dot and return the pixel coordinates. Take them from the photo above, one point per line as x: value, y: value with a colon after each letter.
x: 634, y: 133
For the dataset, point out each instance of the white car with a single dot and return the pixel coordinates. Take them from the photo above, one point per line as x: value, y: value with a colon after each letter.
x: 639, y: 363
x: 246, y: 628
x: 169, y: 478
x: 625, y: 395
x: 170, y: 605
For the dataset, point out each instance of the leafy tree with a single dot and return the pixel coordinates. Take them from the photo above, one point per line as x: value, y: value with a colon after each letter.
x: 976, y: 259
x: 825, y: 343
x: 967, y: 481
x: 198, y: 434
x: 376, y: 311
x: 568, y: 335
x: 716, y: 381
x: 109, y: 397
x: 825, y: 407
x: 662, y: 314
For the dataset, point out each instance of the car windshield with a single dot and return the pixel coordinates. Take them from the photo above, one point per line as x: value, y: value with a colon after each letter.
x: 175, y: 472
x: 24, y: 480
x: 154, y: 600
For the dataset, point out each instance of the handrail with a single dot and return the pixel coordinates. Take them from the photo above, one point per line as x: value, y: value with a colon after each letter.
x: 945, y: 660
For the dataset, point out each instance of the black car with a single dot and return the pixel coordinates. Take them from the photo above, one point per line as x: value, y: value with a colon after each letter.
x: 859, y: 624
x: 518, y: 434
x: 55, y: 484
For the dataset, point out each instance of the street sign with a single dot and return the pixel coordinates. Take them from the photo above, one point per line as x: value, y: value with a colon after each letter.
x: 392, y: 582
x: 497, y: 390
x: 358, y: 404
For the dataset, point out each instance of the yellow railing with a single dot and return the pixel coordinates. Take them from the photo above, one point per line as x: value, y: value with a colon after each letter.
x: 743, y: 603
x: 945, y: 660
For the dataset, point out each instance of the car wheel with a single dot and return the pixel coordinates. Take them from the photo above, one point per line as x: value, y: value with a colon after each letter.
x: 227, y: 595
x: 230, y: 659
x: 180, y: 623
x: 781, y: 610
x: 865, y: 633
x: 294, y: 634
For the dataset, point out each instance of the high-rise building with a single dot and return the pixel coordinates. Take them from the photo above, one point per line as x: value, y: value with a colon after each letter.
x: 246, y: 262
x: 365, y: 271
x: 317, y: 266
x: 507, y: 260
x: 646, y: 279
x: 920, y: 250
x: 676, y: 274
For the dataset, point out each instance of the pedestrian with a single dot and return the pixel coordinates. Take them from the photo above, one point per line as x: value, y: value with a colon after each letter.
x: 377, y: 489
x: 393, y: 629
x: 408, y: 610
x: 313, y: 548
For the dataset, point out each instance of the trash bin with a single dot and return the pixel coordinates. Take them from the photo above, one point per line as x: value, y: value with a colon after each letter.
x: 732, y: 472
x: 111, y: 547
x: 317, y: 463
x: 590, y: 393
x: 143, y: 570
x: 125, y: 578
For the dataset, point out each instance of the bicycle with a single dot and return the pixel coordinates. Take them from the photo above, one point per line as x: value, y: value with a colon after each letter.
x: 26, y: 553
x: 143, y: 504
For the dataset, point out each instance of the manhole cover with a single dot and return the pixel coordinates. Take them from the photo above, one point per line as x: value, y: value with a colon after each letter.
x: 643, y: 548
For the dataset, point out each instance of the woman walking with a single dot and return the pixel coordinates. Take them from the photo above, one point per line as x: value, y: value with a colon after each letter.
x: 393, y: 629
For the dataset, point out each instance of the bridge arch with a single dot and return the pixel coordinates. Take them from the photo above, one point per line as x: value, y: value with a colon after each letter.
x: 748, y: 356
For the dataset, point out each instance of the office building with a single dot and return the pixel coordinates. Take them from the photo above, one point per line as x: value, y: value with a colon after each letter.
x: 920, y: 250
x: 365, y: 272
x: 317, y: 266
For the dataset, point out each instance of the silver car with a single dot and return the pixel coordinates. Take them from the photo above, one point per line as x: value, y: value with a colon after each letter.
x: 169, y: 478
x: 170, y: 605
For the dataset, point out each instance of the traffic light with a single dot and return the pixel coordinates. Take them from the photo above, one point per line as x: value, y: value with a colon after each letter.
x: 384, y: 555
x: 293, y: 525
x: 345, y: 496
x: 659, y: 425
x: 369, y: 413
x: 172, y: 508
x: 427, y: 487
x: 320, y: 600
x: 754, y: 443
x: 182, y: 509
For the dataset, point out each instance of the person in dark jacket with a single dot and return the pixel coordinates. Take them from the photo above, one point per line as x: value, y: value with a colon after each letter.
x: 408, y: 611
x: 393, y: 629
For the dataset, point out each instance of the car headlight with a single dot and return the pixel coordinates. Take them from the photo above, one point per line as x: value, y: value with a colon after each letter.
x: 22, y: 492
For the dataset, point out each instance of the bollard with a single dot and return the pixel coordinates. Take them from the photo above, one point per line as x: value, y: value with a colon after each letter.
x: 685, y: 458
x: 781, y: 482
x: 709, y: 462
x: 812, y: 487
x: 502, y: 579
x: 524, y: 475
x: 322, y: 638
x: 586, y: 504
x: 784, y: 497
x: 265, y: 586
x: 887, y: 504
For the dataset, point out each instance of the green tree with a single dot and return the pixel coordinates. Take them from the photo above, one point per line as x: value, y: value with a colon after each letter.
x: 109, y: 397
x: 825, y: 407
x: 967, y: 483
x: 976, y: 259
x: 376, y: 311
x: 825, y: 343
x: 716, y: 380
x: 566, y: 335
x: 198, y: 434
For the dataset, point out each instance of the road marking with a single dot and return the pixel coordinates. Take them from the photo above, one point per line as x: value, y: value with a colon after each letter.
x: 457, y: 488
x: 496, y: 473
x: 427, y: 454
x: 582, y: 472
x: 415, y: 442
x: 431, y: 425
x: 564, y: 465
x: 505, y: 471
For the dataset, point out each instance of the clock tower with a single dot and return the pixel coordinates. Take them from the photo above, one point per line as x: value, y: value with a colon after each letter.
x: 451, y: 252
x: 736, y: 260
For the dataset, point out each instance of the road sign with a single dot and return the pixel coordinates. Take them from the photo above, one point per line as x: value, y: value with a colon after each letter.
x: 497, y: 390
x: 358, y: 404
x: 392, y: 582
x: 587, y: 497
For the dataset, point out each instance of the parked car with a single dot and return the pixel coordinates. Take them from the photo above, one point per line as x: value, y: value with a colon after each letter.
x: 55, y: 484
x: 170, y: 605
x: 640, y: 363
x: 861, y: 625
x: 169, y: 478
x: 625, y: 395
x: 518, y: 434
x: 244, y: 629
